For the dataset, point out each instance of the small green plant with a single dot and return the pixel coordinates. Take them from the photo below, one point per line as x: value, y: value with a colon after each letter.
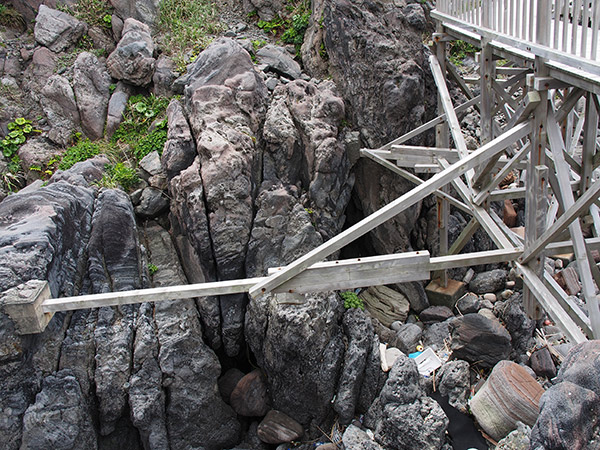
x: 82, y: 150
x: 152, y: 269
x: 46, y: 170
x: 295, y: 33
x: 351, y: 300
x: 258, y: 44
x: 271, y: 26
x: 459, y: 50
x: 18, y: 132
x: 140, y: 114
x: 112, y: 87
x: 93, y: 12
x: 119, y: 175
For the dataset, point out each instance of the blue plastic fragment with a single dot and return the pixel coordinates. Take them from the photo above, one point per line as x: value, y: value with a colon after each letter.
x: 414, y: 355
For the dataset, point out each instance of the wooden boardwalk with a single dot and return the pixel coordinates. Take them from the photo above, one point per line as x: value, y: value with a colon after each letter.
x: 539, y: 119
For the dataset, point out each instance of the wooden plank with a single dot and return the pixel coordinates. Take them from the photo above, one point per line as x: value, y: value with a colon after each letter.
x: 589, y: 142
x: 464, y: 237
x: 452, y: 119
x: 393, y: 208
x: 551, y: 305
x: 371, y: 154
x: 473, y: 259
x: 569, y: 306
x: 429, y: 125
x: 582, y: 203
x: 483, y: 194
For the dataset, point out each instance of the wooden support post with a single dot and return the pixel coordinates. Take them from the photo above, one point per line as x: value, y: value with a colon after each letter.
x: 589, y: 142
x: 442, y: 140
x: 23, y: 305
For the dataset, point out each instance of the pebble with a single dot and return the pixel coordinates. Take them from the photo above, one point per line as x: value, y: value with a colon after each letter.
x: 558, y: 263
x: 510, y: 284
x: 506, y: 294
x: 396, y: 325
x: 487, y: 304
x: 468, y: 276
x: 489, y: 297
x: 487, y: 313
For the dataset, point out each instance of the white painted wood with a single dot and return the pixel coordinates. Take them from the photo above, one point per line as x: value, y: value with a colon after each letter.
x: 551, y: 305
x: 372, y: 154
x: 569, y: 306
x: 393, y: 208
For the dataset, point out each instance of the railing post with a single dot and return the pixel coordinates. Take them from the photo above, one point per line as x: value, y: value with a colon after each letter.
x: 486, y: 13
x: 544, y: 8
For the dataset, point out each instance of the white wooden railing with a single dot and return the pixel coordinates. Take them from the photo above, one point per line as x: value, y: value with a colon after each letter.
x: 567, y: 26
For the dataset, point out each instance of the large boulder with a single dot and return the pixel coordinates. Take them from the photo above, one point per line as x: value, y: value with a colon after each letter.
x: 300, y: 348
x: 145, y: 11
x: 133, y: 59
x: 582, y: 365
x: 91, y: 84
x: 180, y: 149
x: 58, y: 102
x: 60, y: 416
x: 57, y: 30
x: 477, y: 339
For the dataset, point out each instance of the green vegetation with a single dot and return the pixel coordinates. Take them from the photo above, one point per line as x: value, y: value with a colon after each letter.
x: 18, y: 132
x: 144, y: 126
x: 9, y: 17
x: 84, y: 44
x: 187, y: 27
x: 82, y: 150
x: 93, y: 12
x: 152, y: 269
x: 119, y: 175
x: 291, y: 30
x: 351, y: 300
x: 459, y: 50
x: 48, y: 169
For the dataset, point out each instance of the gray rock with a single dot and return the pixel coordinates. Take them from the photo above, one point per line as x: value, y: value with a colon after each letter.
x: 403, y: 383
x: 36, y: 152
x: 278, y: 427
x: 58, y: 101
x: 57, y: 30
x: 60, y: 416
x: 408, y: 337
x: 415, y: 293
x: 90, y: 86
x: 153, y: 203
x: 266, y: 9
x: 490, y: 281
x: 145, y: 11
x: 282, y: 230
x: 278, y: 60
x: 116, y: 108
x: 516, y: 440
x: 517, y: 322
x: 468, y: 304
x: 418, y: 425
x: 455, y: 382
x: 146, y: 396
x: 361, y: 44
x: 35, y: 246
x: 298, y: 345
x: 164, y: 76
x: 151, y: 165
x: 303, y: 148
x: 84, y: 173
x: 435, y: 314
x: 196, y: 415
x: 581, y: 366
x: 356, y: 439
x: 478, y: 339
x: 132, y: 61
x: 373, y: 379
x: 41, y: 67
x: 180, y: 150
x: 359, y: 331
x: 437, y: 334
x: 569, y: 416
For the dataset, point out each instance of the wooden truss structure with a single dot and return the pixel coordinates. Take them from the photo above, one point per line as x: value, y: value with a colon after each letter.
x: 538, y: 103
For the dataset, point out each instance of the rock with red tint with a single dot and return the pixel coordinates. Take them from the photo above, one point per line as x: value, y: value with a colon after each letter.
x: 250, y: 397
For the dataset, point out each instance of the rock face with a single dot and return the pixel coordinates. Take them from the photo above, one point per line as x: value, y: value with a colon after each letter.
x: 132, y: 61
x: 57, y: 30
x: 301, y: 346
x: 91, y: 88
x: 510, y: 395
x: 145, y: 11
x: 60, y: 416
x: 385, y: 304
x: 58, y: 102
